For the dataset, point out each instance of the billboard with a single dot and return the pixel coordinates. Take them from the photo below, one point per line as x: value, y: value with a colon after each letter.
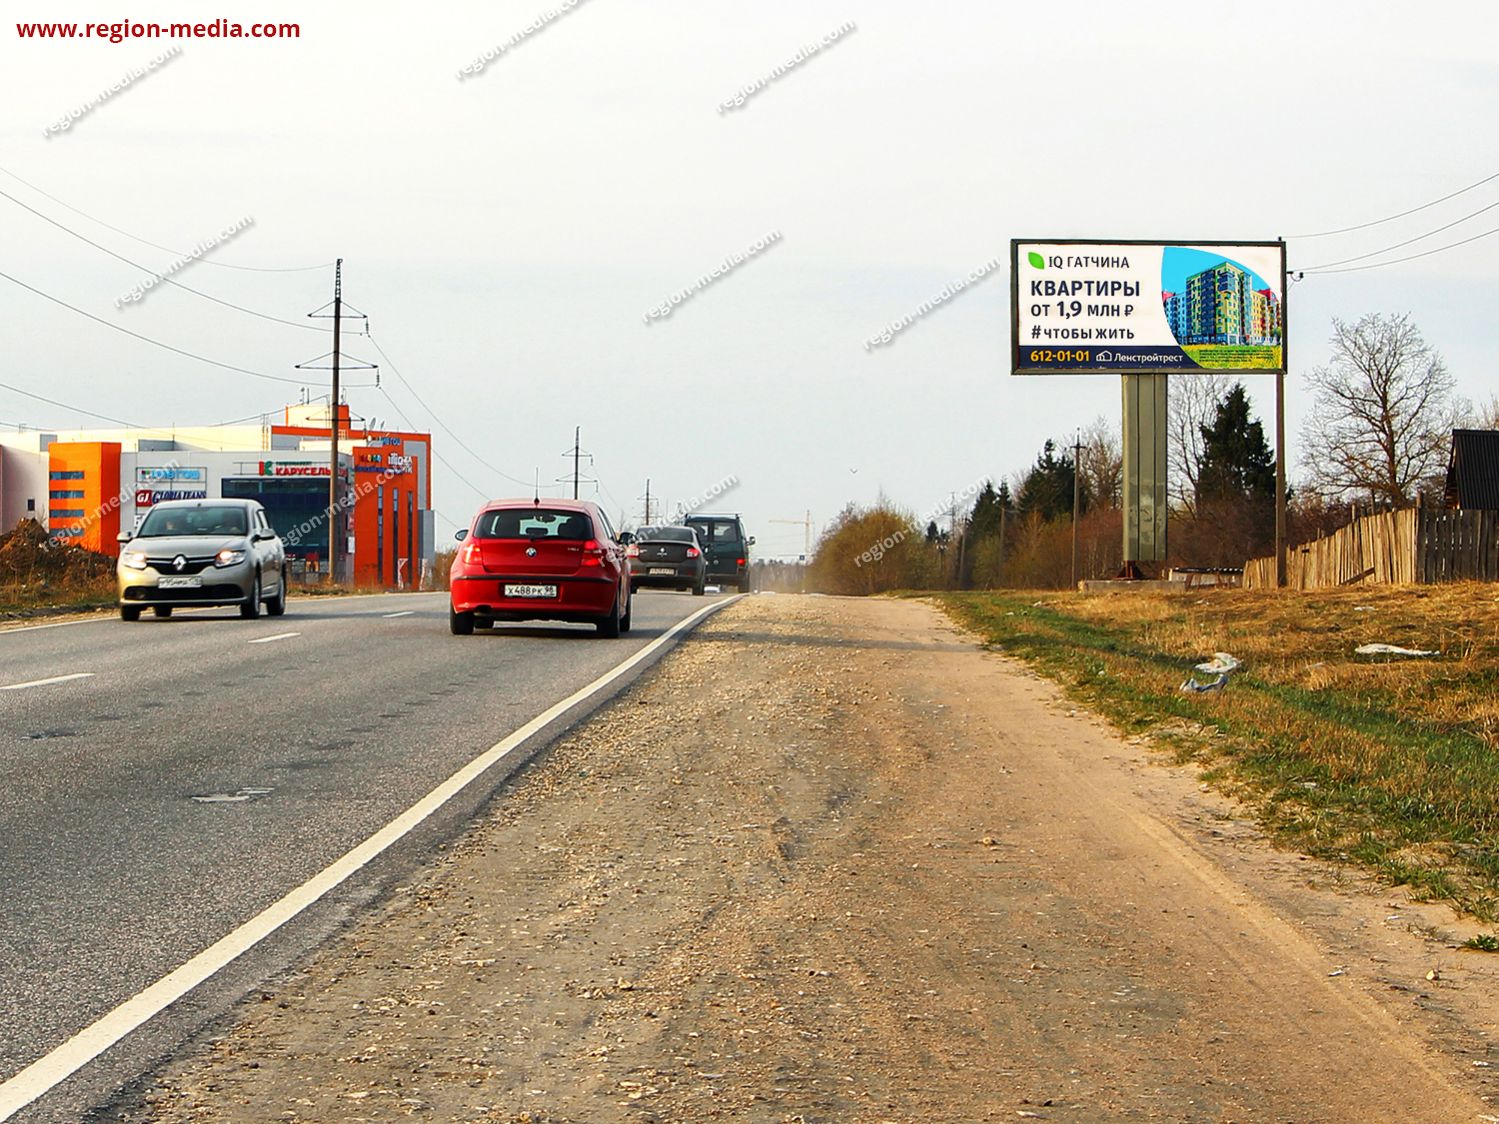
x: 1087, y: 307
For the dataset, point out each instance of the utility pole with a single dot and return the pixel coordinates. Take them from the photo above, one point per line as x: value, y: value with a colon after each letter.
x: 1077, y: 497
x: 334, y: 502
x: 952, y: 520
x: 338, y: 320
x: 647, y: 501
x: 952, y: 540
x: 577, y: 452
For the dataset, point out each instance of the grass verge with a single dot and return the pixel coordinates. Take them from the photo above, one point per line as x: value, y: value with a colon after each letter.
x: 18, y: 602
x: 1392, y: 764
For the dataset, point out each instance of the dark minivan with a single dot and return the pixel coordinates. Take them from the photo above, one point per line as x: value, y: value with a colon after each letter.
x: 726, y: 548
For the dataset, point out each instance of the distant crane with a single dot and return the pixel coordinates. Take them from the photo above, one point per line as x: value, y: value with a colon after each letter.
x: 806, y: 524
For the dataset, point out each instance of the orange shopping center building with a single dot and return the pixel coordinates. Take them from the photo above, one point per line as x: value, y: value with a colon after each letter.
x: 87, y: 486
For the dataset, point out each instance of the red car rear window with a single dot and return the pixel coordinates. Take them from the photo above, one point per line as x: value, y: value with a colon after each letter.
x: 534, y: 523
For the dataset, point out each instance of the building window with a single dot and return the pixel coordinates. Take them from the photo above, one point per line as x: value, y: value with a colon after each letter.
x: 31, y: 505
x: 62, y: 494
x: 67, y: 513
x: 69, y: 475
x: 395, y: 535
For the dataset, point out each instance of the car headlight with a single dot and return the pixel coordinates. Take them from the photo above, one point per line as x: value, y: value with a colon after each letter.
x: 134, y: 559
x: 228, y: 557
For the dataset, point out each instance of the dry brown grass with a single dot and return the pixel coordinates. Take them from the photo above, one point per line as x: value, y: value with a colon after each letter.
x: 1389, y: 761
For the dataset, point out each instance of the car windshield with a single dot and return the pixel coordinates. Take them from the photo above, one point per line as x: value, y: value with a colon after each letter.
x: 534, y: 523
x: 667, y: 534
x: 164, y: 522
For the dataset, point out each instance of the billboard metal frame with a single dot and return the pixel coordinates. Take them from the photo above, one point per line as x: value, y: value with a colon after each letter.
x: 1280, y: 373
x: 1016, y: 369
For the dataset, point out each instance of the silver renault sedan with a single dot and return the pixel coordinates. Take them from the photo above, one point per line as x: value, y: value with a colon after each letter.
x: 202, y: 552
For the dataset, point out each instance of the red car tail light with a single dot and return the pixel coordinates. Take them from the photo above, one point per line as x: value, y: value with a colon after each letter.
x: 742, y: 561
x: 472, y: 555
x: 693, y: 552
x: 593, y: 553
x: 632, y: 551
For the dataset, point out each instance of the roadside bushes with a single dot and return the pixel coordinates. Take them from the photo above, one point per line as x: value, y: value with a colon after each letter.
x: 880, y: 548
x: 869, y: 550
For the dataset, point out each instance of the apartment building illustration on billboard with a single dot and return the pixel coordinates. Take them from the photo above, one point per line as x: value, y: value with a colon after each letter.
x: 1224, y: 305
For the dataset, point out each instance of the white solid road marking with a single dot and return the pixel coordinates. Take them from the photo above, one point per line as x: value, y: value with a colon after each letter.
x: 111, y: 617
x: 54, y: 624
x: 45, y: 682
x: 47, y: 1071
x: 273, y: 639
x: 402, y: 613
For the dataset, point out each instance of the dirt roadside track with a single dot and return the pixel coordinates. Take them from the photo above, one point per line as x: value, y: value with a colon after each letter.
x: 830, y: 861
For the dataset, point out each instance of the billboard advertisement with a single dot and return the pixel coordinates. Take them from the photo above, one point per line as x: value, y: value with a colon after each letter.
x: 1086, y: 307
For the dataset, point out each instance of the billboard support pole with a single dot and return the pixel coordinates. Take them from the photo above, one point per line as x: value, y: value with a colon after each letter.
x: 1143, y: 427
x: 1280, y: 425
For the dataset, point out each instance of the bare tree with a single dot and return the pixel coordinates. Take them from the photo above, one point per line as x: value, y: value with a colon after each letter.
x: 1191, y: 405
x: 1383, y: 415
x: 1486, y: 416
x: 1101, y: 463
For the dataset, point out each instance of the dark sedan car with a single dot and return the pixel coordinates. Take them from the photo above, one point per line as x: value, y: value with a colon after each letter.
x: 668, y: 556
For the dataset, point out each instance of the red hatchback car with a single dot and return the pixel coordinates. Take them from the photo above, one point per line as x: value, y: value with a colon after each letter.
x: 524, y: 560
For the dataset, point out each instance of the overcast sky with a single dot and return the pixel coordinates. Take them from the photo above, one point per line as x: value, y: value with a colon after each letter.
x: 507, y: 234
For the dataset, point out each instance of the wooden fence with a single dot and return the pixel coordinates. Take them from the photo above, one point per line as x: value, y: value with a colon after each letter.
x: 1414, y: 545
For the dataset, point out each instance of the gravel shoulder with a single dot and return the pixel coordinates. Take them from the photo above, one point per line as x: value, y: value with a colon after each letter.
x: 832, y: 861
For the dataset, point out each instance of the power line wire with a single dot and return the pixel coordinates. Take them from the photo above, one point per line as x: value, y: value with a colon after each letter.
x: 411, y: 426
x: 160, y: 276
x: 148, y: 339
x: 1410, y: 257
x: 110, y: 418
x: 1401, y: 245
x: 65, y: 405
x: 1402, y: 214
x: 442, y: 424
x: 156, y: 245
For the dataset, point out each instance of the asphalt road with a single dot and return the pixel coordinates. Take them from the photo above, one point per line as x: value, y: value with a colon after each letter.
x: 199, y: 768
